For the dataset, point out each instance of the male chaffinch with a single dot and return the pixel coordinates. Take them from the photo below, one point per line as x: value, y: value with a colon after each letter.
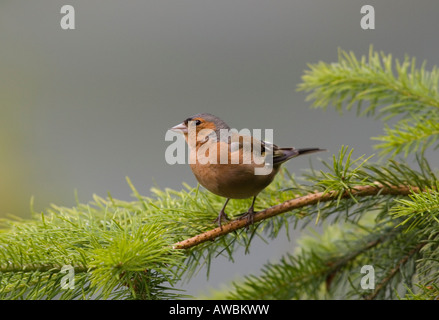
x: 225, y: 162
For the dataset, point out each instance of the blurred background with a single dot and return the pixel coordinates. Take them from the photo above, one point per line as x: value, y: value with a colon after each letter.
x: 82, y: 109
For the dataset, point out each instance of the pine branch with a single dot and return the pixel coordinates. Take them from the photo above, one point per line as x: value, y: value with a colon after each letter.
x: 318, y: 267
x: 408, y: 136
x: 354, y: 186
x: 396, y: 87
x: 110, y: 250
x: 304, y: 201
x: 428, y: 292
x: 420, y: 210
x: 132, y: 250
x: 394, y: 271
x: 378, y: 84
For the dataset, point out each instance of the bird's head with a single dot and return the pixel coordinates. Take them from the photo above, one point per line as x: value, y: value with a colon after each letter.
x: 201, y: 124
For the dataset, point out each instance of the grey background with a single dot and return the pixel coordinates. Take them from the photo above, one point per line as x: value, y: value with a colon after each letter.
x: 82, y: 109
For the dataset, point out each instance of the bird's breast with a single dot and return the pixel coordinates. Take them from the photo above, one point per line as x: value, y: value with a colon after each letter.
x: 235, y: 181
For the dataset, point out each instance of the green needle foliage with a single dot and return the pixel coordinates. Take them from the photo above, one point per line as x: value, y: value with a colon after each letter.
x: 377, y: 84
x: 113, y: 249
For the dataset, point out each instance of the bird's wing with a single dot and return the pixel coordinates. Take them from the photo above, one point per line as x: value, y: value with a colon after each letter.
x: 260, y: 148
x: 245, y: 143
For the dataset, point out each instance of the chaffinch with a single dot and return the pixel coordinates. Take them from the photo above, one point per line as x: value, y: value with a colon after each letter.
x: 226, y: 163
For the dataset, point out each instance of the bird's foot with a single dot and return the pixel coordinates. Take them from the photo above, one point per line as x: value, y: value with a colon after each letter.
x: 222, y: 216
x: 250, y: 215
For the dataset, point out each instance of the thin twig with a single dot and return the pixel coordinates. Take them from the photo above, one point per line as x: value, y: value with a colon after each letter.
x: 394, y: 271
x: 337, y: 265
x: 307, y: 200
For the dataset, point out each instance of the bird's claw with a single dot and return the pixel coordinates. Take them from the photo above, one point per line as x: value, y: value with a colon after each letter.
x: 249, y: 215
x: 222, y: 216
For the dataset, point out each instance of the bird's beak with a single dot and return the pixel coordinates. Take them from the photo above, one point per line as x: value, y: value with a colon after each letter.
x: 180, y: 128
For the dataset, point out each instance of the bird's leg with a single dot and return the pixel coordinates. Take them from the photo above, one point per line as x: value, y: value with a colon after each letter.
x: 222, y: 215
x: 250, y: 213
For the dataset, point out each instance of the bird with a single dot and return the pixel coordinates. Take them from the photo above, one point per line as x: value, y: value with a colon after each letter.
x: 225, y: 162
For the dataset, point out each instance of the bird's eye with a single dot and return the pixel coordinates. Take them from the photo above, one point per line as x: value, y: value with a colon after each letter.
x: 197, y: 122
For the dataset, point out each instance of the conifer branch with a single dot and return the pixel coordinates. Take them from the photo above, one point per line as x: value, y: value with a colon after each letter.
x: 336, y: 265
x: 394, y: 271
x: 323, y: 261
x: 380, y: 84
x: 406, y: 136
x: 307, y: 200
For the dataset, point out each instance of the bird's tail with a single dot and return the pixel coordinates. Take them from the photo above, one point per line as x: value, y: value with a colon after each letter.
x: 284, y: 154
x: 309, y: 150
